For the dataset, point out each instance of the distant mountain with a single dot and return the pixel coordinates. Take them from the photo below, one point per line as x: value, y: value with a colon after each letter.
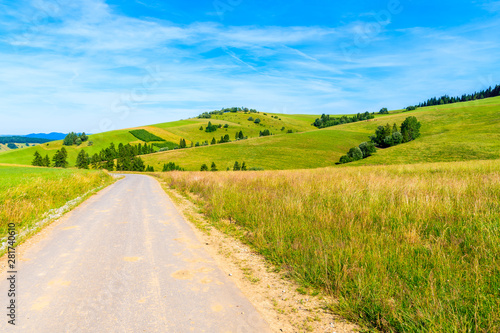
x: 50, y: 136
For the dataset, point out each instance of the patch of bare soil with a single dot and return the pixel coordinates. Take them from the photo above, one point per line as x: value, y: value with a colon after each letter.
x: 281, y: 301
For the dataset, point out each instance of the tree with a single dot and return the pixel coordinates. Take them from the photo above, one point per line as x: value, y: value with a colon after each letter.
x: 201, y: 128
x: 250, y: 119
x: 395, y: 128
x: 70, y: 139
x: 397, y: 138
x: 204, y: 167
x: 257, y: 121
x: 410, y: 129
x: 59, y: 159
x: 37, y: 160
x: 84, y: 137
x: 355, y: 154
x: 213, y: 167
x: 383, y: 111
x: 46, y: 161
x: 226, y: 126
x: 236, y: 166
x: 213, y: 141
x: 78, y: 141
x: 95, y: 161
x: 240, y: 135
x: 243, y: 167
x: 182, y: 143
x: 367, y: 148
x: 82, y: 160
x: 137, y: 164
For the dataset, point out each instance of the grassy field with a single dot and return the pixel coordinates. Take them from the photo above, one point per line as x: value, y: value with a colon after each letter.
x: 453, y: 132
x: 404, y: 248
x: 26, y: 193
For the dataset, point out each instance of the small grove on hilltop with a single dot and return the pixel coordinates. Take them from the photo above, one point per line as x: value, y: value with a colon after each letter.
x: 385, y: 136
x: 76, y: 139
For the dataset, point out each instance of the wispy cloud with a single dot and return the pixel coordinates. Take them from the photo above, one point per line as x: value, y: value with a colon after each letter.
x: 81, y: 65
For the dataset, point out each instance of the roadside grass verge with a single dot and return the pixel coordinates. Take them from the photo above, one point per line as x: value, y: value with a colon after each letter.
x: 28, y: 194
x: 403, y: 248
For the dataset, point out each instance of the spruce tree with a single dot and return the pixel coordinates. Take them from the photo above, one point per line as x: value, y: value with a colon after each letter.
x: 82, y: 160
x: 213, y: 167
x: 37, y: 160
x: 236, y: 166
x: 204, y: 167
x: 243, y: 167
x: 46, y: 161
x: 213, y: 141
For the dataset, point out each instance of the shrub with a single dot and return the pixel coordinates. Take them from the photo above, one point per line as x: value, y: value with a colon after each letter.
x: 345, y: 159
x: 367, y: 148
x: 250, y: 119
x: 257, y: 121
x: 355, y: 154
x: 204, y: 167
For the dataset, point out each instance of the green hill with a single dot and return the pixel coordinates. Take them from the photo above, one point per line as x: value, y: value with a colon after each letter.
x: 452, y: 132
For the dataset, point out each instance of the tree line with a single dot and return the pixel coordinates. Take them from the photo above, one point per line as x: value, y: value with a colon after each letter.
x: 385, y: 136
x: 486, y: 93
x: 21, y: 139
x: 327, y: 121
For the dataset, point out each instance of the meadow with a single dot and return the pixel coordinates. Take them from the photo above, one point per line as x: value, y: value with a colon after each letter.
x: 27, y: 193
x: 403, y: 248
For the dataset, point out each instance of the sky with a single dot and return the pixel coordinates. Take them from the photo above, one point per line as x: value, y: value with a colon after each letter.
x: 94, y: 66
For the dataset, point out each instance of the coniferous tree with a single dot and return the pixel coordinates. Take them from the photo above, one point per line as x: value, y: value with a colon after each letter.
x: 82, y: 160
x: 410, y: 129
x: 37, y: 160
x: 240, y: 136
x: 60, y: 159
x: 204, y: 167
x: 243, y: 167
x: 213, y: 141
x: 236, y: 166
x: 213, y: 167
x: 46, y: 161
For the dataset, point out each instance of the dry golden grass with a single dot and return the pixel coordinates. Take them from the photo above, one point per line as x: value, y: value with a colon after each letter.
x: 26, y: 193
x: 412, y: 248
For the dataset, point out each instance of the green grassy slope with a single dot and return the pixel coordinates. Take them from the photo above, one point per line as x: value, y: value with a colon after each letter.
x: 453, y: 132
x: 172, y: 131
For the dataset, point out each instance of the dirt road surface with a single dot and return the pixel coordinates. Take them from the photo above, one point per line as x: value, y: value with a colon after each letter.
x: 124, y: 261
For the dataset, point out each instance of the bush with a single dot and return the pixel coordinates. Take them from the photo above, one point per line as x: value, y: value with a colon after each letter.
x: 204, y: 167
x: 355, y: 154
x: 345, y: 159
x: 250, y: 119
x: 257, y: 121
x: 384, y: 111
x: 367, y: 148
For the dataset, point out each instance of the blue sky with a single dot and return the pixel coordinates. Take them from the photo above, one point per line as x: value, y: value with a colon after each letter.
x: 92, y: 65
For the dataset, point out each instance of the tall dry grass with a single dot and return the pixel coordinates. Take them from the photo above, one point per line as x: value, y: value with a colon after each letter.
x: 26, y: 196
x: 412, y: 248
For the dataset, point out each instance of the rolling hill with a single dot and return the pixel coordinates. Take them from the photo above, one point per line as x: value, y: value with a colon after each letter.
x: 452, y: 132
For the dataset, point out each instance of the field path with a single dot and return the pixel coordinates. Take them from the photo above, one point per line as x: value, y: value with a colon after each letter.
x: 125, y: 261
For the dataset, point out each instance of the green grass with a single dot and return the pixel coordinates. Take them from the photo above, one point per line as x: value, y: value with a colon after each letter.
x: 26, y: 193
x: 403, y: 248
x: 145, y: 136
x: 454, y: 132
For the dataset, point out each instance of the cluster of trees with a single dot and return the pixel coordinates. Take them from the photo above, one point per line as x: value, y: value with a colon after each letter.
x: 38, y: 160
x: 236, y: 167
x: 12, y: 145
x: 126, y: 158
x: 21, y: 139
x: 182, y: 144
x: 388, y: 136
x: 487, y: 93
x: 171, y: 166
x: 224, y: 110
x: 239, y: 136
x: 385, y: 136
x: 60, y: 159
x: 75, y: 139
x: 364, y: 150
x: 265, y: 132
x: 327, y: 121
x: 145, y: 136
x: 383, y: 111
